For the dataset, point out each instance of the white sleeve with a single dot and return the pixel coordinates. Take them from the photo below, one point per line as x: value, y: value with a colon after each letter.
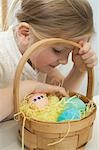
x: 1, y: 66
x: 5, y: 68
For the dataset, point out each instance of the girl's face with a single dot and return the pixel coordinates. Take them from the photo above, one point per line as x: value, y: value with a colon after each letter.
x: 47, y: 58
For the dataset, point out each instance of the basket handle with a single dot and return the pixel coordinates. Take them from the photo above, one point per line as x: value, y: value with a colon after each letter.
x: 25, y: 57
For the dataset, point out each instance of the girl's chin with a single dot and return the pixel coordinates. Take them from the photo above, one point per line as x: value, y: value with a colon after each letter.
x: 50, y: 69
x: 47, y: 69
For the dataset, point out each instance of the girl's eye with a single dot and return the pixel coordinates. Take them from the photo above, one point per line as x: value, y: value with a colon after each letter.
x: 56, y: 51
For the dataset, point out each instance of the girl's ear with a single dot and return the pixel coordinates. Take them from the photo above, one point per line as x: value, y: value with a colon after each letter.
x: 23, y: 30
x: 23, y: 36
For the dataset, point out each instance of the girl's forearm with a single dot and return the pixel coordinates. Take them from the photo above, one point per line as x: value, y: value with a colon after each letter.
x: 26, y: 87
x: 7, y: 101
x: 74, y: 79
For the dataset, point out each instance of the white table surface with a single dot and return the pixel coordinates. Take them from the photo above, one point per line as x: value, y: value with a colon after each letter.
x: 9, y: 141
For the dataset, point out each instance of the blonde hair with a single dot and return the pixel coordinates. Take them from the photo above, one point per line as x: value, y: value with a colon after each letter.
x: 51, y: 18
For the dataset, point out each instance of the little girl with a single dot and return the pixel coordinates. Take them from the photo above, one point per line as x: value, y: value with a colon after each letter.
x: 39, y: 19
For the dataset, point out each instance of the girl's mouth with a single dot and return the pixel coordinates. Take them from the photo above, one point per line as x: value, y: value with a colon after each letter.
x: 53, y: 66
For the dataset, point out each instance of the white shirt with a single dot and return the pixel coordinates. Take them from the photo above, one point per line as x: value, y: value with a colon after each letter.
x: 9, y: 58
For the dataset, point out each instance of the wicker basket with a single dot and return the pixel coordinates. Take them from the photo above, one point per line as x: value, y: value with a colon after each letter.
x: 38, y: 135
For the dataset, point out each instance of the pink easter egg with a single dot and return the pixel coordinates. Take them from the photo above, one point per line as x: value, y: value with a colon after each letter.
x: 40, y: 100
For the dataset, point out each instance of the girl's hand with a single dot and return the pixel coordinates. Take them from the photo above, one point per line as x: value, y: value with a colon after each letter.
x: 47, y: 88
x: 30, y: 86
x: 85, y: 57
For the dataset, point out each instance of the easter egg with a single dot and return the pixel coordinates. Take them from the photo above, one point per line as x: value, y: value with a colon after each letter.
x: 69, y: 114
x: 78, y: 103
x: 75, y: 102
x: 39, y: 100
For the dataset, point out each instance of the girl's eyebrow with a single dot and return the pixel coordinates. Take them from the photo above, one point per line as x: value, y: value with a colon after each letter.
x: 63, y: 48
x: 59, y: 50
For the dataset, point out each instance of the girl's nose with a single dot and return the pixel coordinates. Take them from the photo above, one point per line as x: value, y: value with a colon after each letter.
x: 63, y: 61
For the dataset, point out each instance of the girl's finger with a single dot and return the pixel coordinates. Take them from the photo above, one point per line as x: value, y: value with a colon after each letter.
x: 91, y: 65
x: 61, y: 90
x: 81, y: 43
x: 90, y: 60
x: 46, y: 88
x: 89, y: 54
x: 85, y: 48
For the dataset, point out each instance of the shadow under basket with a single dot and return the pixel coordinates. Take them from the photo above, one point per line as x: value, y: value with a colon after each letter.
x: 40, y: 135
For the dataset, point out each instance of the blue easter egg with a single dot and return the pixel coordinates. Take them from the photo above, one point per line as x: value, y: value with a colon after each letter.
x: 69, y: 114
x: 78, y: 103
x: 75, y: 102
